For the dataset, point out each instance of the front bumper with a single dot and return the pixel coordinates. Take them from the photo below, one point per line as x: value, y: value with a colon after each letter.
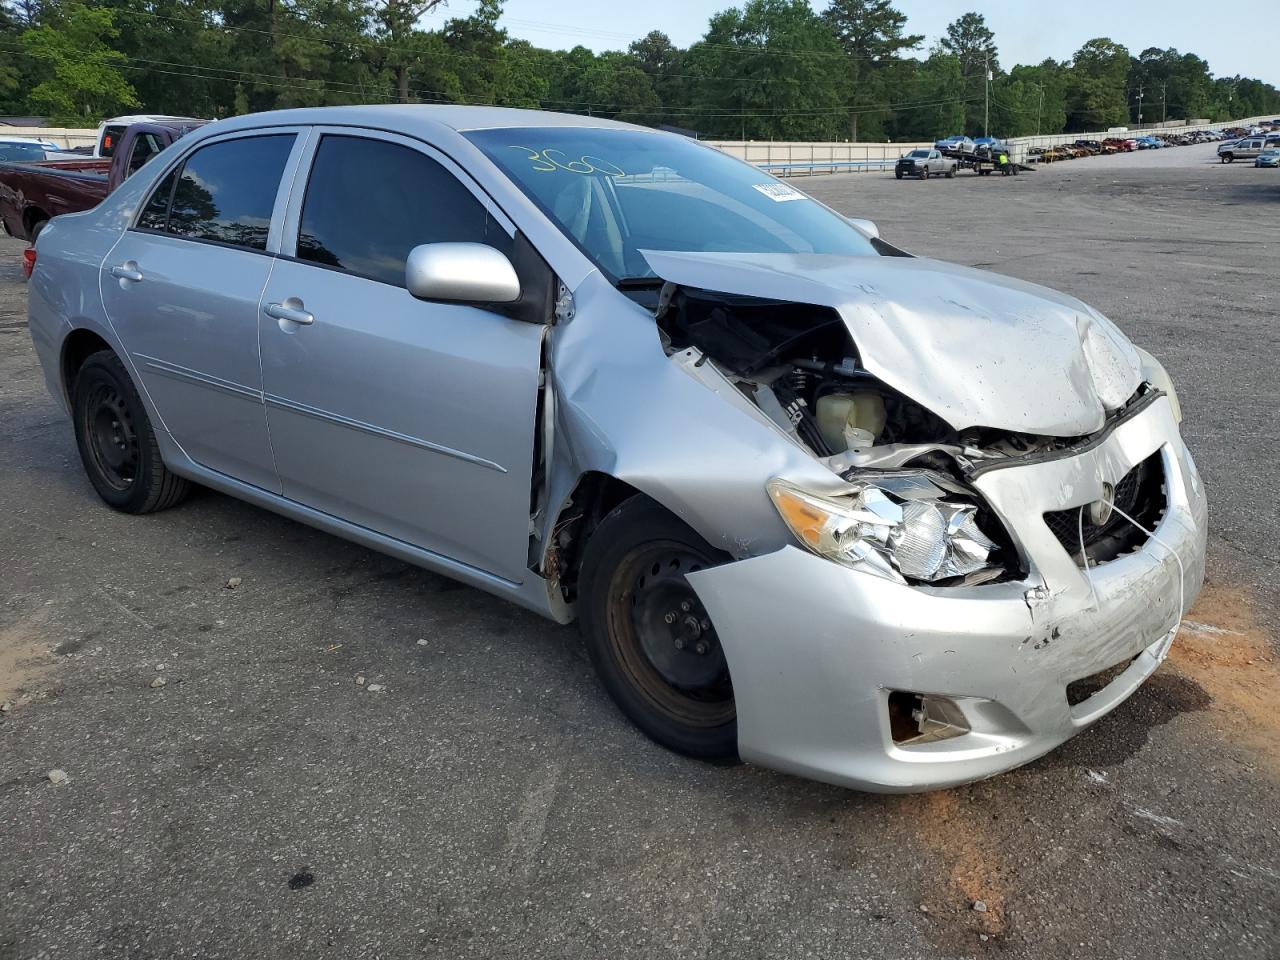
x: 815, y: 648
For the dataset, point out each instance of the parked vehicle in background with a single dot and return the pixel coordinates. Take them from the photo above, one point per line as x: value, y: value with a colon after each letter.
x: 33, y: 193
x: 1243, y: 149
x: 615, y: 375
x: 924, y: 163
x: 111, y: 131
x: 15, y: 149
x: 958, y: 144
x: 27, y: 149
x: 1268, y: 158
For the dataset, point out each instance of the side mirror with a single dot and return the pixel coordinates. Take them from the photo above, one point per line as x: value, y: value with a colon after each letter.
x: 461, y: 272
x: 866, y: 226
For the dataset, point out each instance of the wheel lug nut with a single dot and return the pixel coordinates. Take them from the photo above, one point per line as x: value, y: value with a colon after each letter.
x: 670, y: 618
x: 686, y: 606
x: 701, y: 648
x: 706, y: 624
x: 679, y: 643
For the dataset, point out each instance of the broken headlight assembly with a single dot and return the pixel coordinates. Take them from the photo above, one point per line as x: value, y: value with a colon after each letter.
x: 902, y: 526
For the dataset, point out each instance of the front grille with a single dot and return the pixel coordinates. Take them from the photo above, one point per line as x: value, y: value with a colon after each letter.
x: 1140, y: 493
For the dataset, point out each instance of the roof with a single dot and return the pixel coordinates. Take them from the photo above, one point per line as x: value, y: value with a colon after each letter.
x: 422, y: 117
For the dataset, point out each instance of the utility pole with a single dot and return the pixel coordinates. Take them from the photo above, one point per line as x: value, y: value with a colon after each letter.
x: 1139, y: 106
x: 1164, y: 115
x: 986, y: 98
x: 1039, y: 108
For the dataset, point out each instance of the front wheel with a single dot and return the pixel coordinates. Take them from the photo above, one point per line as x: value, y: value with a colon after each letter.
x: 898, y: 174
x: 650, y: 639
x: 1227, y: 158
x: 116, y: 442
x: 924, y: 174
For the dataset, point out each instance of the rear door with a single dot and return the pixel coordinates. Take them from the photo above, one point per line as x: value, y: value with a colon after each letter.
x: 181, y: 289
x: 409, y: 418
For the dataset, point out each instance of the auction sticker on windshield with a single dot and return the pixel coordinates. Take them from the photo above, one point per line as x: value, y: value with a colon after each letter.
x: 778, y: 192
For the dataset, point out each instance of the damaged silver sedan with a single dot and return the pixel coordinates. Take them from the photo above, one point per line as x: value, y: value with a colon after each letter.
x: 816, y: 503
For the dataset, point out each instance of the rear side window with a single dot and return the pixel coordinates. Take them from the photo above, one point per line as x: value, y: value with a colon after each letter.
x: 110, y: 137
x: 145, y: 147
x: 369, y: 202
x: 224, y: 193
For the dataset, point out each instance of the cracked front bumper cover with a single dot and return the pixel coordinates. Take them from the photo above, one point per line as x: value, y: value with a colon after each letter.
x: 815, y: 648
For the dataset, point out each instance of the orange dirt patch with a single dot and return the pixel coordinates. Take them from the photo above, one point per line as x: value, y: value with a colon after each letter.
x: 24, y: 660
x: 975, y: 866
x: 1222, y: 648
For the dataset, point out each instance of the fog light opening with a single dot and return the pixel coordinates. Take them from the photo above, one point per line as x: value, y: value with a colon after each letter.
x: 916, y: 718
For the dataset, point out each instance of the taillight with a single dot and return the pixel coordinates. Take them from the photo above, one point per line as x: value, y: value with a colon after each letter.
x: 28, y: 261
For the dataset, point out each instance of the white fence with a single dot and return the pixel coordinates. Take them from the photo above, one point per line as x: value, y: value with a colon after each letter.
x: 788, y: 158
x: 65, y: 137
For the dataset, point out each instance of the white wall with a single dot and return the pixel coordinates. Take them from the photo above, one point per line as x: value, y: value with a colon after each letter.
x: 65, y: 137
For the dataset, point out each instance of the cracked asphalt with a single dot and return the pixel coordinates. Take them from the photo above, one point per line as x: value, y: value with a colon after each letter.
x: 488, y: 801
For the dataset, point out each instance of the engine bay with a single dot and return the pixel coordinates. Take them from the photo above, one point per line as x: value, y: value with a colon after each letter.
x: 798, y: 365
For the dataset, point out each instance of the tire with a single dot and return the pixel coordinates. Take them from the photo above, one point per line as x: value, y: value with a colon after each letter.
x: 649, y: 639
x: 924, y: 174
x: 117, y: 445
x: 951, y: 173
x: 897, y: 174
x: 1227, y: 157
x: 36, y: 229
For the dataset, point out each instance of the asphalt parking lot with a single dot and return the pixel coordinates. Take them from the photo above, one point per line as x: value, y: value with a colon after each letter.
x: 488, y: 801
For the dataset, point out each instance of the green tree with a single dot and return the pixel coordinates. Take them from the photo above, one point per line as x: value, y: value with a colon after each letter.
x: 1096, y: 95
x: 970, y: 41
x: 82, y: 72
x: 870, y: 31
x: 765, y: 71
x: 395, y: 27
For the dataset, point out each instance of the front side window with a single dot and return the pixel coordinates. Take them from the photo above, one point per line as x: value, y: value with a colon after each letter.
x: 370, y: 202
x: 618, y: 192
x: 224, y: 193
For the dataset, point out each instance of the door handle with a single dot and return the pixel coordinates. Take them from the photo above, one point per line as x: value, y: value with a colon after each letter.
x: 290, y: 310
x: 127, y: 271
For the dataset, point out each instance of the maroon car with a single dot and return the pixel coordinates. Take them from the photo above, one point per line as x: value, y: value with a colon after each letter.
x: 33, y: 193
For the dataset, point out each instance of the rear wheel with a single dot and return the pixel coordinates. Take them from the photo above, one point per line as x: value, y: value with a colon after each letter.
x: 951, y: 173
x: 116, y: 442
x: 650, y: 639
x: 36, y: 229
x: 1227, y: 157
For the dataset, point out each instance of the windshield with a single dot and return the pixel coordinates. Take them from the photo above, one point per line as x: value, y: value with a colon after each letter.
x: 21, y: 151
x: 617, y: 192
x: 918, y: 153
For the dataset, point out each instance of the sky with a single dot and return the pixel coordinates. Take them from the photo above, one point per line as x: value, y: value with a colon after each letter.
x: 1234, y: 36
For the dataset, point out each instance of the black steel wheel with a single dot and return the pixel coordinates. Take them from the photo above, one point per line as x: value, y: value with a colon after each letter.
x: 924, y: 174
x: 649, y: 637
x: 117, y: 445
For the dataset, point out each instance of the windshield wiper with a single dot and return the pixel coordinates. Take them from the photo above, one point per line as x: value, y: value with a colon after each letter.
x: 639, y: 283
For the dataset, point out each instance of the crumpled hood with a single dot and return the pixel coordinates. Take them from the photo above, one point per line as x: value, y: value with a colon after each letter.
x: 976, y: 348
